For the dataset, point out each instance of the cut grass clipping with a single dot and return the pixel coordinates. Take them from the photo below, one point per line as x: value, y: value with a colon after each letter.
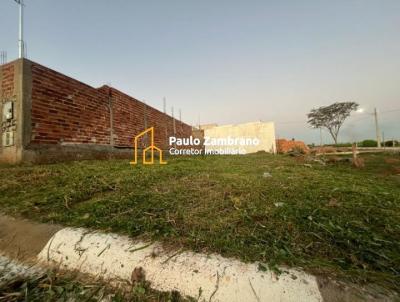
x: 274, y: 209
x: 57, y: 286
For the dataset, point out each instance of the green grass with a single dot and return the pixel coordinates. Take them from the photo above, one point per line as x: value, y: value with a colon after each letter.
x: 331, y: 219
x: 59, y: 286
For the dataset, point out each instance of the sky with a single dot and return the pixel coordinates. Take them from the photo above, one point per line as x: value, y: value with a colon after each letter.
x: 227, y: 62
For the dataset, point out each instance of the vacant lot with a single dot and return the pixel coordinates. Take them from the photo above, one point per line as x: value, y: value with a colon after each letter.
x: 275, y: 209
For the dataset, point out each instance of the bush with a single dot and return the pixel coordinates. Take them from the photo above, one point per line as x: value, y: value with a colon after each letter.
x: 392, y: 143
x: 368, y: 143
x: 341, y: 145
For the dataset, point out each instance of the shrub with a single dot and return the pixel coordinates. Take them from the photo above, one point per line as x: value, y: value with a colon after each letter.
x: 368, y: 143
x: 392, y: 143
x: 343, y: 145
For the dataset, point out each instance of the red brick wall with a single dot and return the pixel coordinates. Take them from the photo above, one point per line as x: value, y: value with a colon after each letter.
x: 66, y: 110
x: 284, y: 146
x: 7, y: 81
x: 129, y: 120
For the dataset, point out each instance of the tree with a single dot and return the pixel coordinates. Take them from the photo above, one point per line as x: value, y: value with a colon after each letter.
x: 331, y: 117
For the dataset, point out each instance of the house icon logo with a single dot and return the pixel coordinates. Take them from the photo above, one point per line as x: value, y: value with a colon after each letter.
x: 152, y: 148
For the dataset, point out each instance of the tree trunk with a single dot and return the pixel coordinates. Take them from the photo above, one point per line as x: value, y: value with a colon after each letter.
x: 334, y: 136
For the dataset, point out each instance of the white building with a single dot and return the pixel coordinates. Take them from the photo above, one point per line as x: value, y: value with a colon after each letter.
x: 248, y: 133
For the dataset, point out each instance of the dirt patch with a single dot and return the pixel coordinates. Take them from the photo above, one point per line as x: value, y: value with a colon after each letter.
x: 22, y: 239
x: 396, y: 170
x: 390, y: 160
x: 334, y: 291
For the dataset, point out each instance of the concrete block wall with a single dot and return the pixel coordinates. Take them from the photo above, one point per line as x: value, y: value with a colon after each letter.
x: 60, y: 118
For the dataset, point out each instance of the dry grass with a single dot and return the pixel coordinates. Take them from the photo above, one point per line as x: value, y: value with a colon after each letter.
x: 59, y: 286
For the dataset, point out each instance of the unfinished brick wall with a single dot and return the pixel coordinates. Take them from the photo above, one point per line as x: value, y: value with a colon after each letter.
x: 131, y: 117
x: 7, y: 80
x: 284, y: 146
x: 65, y: 110
x: 10, y: 120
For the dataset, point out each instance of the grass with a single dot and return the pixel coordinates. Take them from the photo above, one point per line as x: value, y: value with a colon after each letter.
x: 59, y: 286
x: 331, y: 219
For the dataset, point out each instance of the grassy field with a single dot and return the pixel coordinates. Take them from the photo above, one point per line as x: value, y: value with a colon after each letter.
x: 331, y: 219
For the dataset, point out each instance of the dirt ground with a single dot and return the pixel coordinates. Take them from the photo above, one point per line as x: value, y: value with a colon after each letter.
x: 22, y: 239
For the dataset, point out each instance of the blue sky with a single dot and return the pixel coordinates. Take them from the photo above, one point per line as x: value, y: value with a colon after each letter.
x: 226, y: 61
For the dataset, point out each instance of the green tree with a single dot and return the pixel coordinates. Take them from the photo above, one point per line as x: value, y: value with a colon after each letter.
x: 331, y: 117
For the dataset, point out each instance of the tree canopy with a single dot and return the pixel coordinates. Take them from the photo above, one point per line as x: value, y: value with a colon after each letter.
x: 331, y: 117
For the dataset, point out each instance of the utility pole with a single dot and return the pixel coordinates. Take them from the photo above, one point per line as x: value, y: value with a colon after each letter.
x: 110, y: 106
x: 145, y: 114
x: 173, y: 123
x: 166, y: 124
x: 165, y: 105
x: 3, y: 57
x: 173, y: 120
x: 320, y: 137
x: 21, y: 28
x: 378, y: 135
x: 145, y: 138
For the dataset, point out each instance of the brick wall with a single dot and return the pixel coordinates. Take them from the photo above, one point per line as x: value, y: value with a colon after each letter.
x: 131, y: 115
x: 10, y: 128
x: 65, y: 110
x: 284, y: 146
x: 7, y: 80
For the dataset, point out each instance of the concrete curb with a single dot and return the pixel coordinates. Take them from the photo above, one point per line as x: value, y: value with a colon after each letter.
x: 208, y: 277
x: 120, y: 259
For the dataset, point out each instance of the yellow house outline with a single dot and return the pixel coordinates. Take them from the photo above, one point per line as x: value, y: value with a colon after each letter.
x: 152, y: 147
